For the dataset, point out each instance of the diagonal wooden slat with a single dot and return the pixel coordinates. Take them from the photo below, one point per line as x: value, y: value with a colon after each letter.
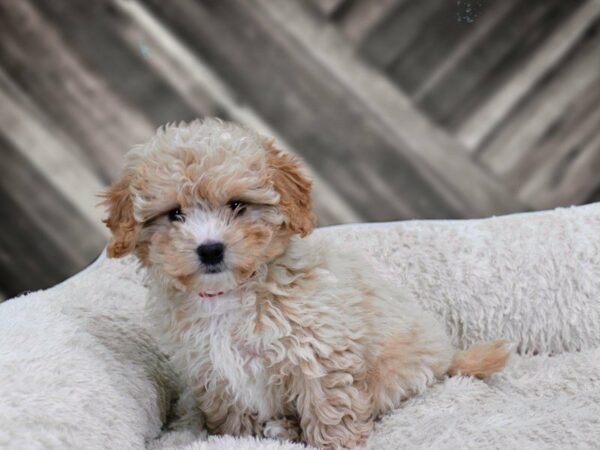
x: 459, y: 181
x: 27, y: 264
x: 396, y: 30
x: 329, y: 7
x: 92, y: 33
x: 483, y: 120
x: 157, y: 75
x: 100, y: 123
x: 400, y: 109
x: 593, y: 197
x: 313, y: 112
x: 47, y: 238
x: 567, y: 170
x: 516, y: 150
x: 572, y: 182
x: 187, y: 73
x: 494, y: 59
x: 31, y: 134
x: 361, y: 16
x: 433, y: 57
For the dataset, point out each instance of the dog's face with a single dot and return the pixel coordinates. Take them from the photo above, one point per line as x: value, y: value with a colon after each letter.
x: 205, y: 205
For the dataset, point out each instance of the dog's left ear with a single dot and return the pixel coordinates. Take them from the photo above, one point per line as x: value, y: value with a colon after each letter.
x: 121, y: 220
x: 294, y: 187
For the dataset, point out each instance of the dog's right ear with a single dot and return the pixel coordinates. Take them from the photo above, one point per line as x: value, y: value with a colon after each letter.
x: 121, y: 220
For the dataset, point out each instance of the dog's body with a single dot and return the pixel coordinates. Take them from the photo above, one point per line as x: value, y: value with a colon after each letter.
x: 274, y: 335
x: 314, y: 336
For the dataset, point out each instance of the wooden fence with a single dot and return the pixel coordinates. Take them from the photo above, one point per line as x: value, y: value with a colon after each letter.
x: 402, y: 108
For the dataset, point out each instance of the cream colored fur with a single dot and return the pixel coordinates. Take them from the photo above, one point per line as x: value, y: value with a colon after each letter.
x: 300, y: 339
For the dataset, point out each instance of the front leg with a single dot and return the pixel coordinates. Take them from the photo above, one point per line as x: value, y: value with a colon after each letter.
x: 184, y: 424
x: 225, y: 416
x: 187, y: 414
x: 335, y: 410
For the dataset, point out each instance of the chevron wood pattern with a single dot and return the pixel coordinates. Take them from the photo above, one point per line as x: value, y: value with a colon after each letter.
x: 402, y: 109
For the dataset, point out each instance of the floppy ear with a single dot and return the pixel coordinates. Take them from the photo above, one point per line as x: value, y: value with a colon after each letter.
x: 120, y: 221
x: 294, y: 187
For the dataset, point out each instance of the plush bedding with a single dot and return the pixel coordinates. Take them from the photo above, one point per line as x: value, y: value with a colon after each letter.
x: 79, y: 369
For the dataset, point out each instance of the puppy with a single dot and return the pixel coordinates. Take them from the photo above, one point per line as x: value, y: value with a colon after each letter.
x: 274, y: 335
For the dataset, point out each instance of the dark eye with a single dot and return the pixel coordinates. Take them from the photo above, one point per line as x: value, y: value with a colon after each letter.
x: 237, y: 207
x: 175, y: 215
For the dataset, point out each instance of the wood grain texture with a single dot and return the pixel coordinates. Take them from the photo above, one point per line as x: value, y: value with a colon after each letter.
x: 54, y: 239
x: 50, y: 152
x: 77, y: 99
x: 360, y: 16
x: 396, y: 30
x: 402, y: 109
x: 124, y: 68
x: 330, y: 7
x: 235, y: 36
x: 524, y: 143
x: 477, y: 127
x: 519, y: 34
x: 437, y: 156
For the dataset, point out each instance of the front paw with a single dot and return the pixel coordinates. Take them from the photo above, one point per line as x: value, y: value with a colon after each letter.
x: 284, y: 429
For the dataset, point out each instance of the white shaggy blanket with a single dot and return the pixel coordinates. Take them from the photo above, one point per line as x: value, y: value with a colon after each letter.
x: 78, y: 369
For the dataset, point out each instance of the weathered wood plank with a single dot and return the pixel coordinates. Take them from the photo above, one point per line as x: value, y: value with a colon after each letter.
x: 329, y: 7
x: 93, y: 33
x: 560, y: 167
x: 436, y: 155
x: 44, y: 237
x: 394, y: 33
x: 490, y: 64
x: 189, y: 74
x: 484, y: 119
x: 79, y: 103
x: 573, y: 173
x: 439, y: 51
x: 23, y: 265
x: 179, y: 86
x: 310, y: 108
x: 79, y: 83
x: 72, y: 234
x: 593, y: 197
x: 55, y: 157
x: 360, y: 16
x: 517, y: 149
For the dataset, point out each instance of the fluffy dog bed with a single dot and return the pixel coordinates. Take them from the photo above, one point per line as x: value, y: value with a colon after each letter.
x: 79, y: 370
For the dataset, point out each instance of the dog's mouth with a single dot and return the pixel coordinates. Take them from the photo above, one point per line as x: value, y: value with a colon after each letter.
x: 209, y: 282
x: 205, y: 294
x: 216, y: 292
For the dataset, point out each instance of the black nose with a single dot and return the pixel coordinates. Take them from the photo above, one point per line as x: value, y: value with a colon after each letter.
x: 211, y: 253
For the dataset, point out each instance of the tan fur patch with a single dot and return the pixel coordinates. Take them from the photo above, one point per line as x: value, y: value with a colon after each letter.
x: 120, y: 219
x: 481, y: 360
x: 143, y: 253
x: 399, y: 355
x: 294, y: 187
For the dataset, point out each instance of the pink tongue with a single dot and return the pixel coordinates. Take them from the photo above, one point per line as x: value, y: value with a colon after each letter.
x: 207, y: 295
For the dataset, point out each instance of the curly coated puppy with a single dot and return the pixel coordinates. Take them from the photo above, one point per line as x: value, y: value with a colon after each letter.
x: 273, y: 334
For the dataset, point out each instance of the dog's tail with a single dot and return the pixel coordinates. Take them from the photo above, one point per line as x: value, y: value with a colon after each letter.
x: 481, y: 360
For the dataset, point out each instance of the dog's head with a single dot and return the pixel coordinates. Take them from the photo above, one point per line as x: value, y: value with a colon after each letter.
x: 205, y: 205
